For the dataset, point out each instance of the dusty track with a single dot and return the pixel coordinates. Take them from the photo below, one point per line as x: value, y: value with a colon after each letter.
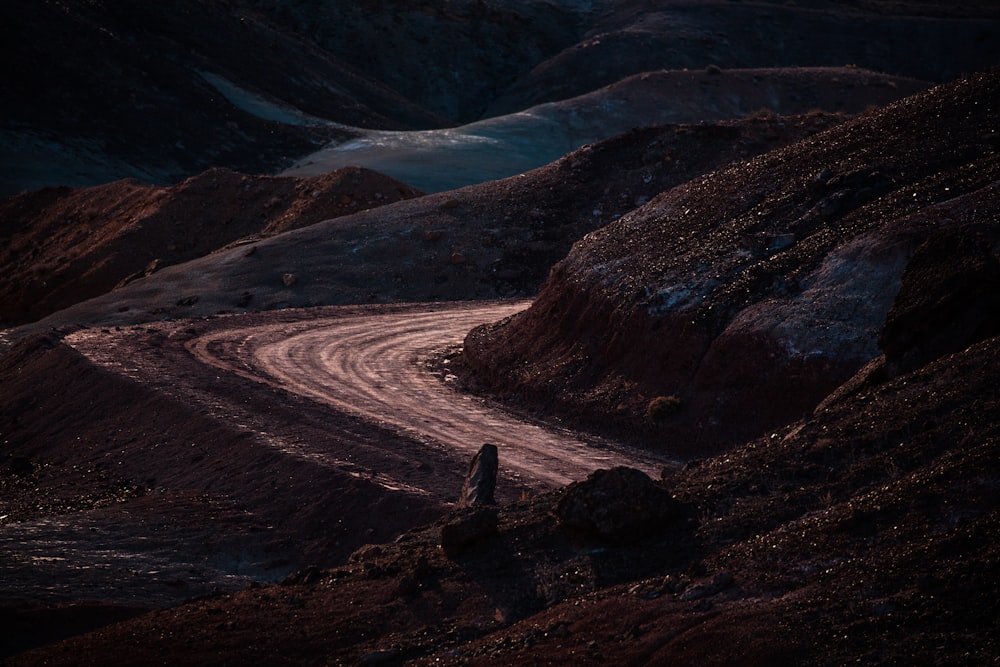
x: 376, y: 366
x: 373, y: 364
x: 241, y: 448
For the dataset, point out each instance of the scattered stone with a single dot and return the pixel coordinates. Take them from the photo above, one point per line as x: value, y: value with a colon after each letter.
x: 719, y: 583
x: 620, y: 504
x: 407, y: 587
x: 481, y: 480
x: 304, y: 577
x: 558, y: 629
x: 20, y: 466
x: 289, y: 279
x: 662, y: 407
x: 377, y: 658
x: 423, y: 569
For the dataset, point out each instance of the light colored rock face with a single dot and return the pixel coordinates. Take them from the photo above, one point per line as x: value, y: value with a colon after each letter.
x: 841, y: 307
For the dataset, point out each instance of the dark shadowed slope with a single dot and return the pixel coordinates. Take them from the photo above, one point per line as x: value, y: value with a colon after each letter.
x: 750, y: 293
x: 97, y: 91
x: 935, y: 41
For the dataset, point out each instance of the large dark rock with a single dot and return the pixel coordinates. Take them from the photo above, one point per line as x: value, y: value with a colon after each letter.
x: 620, y: 504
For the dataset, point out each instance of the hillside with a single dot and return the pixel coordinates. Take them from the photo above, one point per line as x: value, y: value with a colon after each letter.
x: 718, y: 281
x: 67, y: 245
x: 751, y: 293
x: 496, y: 239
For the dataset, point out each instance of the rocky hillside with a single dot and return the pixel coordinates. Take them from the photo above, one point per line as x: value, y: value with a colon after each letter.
x: 485, y: 241
x: 65, y: 245
x: 864, y: 533
x: 744, y: 297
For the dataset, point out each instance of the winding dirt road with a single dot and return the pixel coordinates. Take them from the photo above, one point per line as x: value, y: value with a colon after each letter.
x: 256, y: 444
x: 376, y: 366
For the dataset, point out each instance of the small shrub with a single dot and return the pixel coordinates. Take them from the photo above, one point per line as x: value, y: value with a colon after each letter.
x: 662, y: 407
x: 713, y: 69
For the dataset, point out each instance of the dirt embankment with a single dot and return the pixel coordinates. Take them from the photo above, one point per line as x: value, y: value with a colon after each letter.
x: 751, y: 293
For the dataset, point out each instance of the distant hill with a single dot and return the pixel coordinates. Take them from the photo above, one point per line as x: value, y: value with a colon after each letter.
x: 98, y: 91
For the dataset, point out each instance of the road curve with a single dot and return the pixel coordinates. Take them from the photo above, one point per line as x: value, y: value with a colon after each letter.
x: 374, y: 365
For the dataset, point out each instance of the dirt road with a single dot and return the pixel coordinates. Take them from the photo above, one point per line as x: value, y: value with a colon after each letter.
x: 376, y: 366
x: 239, y: 448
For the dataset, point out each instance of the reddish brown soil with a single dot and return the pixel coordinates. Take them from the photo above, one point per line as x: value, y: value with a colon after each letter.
x: 66, y: 245
x: 865, y: 532
x: 149, y: 507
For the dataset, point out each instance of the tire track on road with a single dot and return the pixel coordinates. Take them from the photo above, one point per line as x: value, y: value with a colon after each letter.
x: 373, y: 365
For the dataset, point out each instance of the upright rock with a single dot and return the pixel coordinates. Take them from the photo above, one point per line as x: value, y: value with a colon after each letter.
x: 481, y: 481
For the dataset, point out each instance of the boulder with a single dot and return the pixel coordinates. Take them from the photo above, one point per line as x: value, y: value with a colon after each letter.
x: 467, y: 528
x: 621, y: 504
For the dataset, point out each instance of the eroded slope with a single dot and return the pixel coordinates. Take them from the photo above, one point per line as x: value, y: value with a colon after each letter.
x: 750, y: 293
x: 484, y: 241
x: 66, y: 245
